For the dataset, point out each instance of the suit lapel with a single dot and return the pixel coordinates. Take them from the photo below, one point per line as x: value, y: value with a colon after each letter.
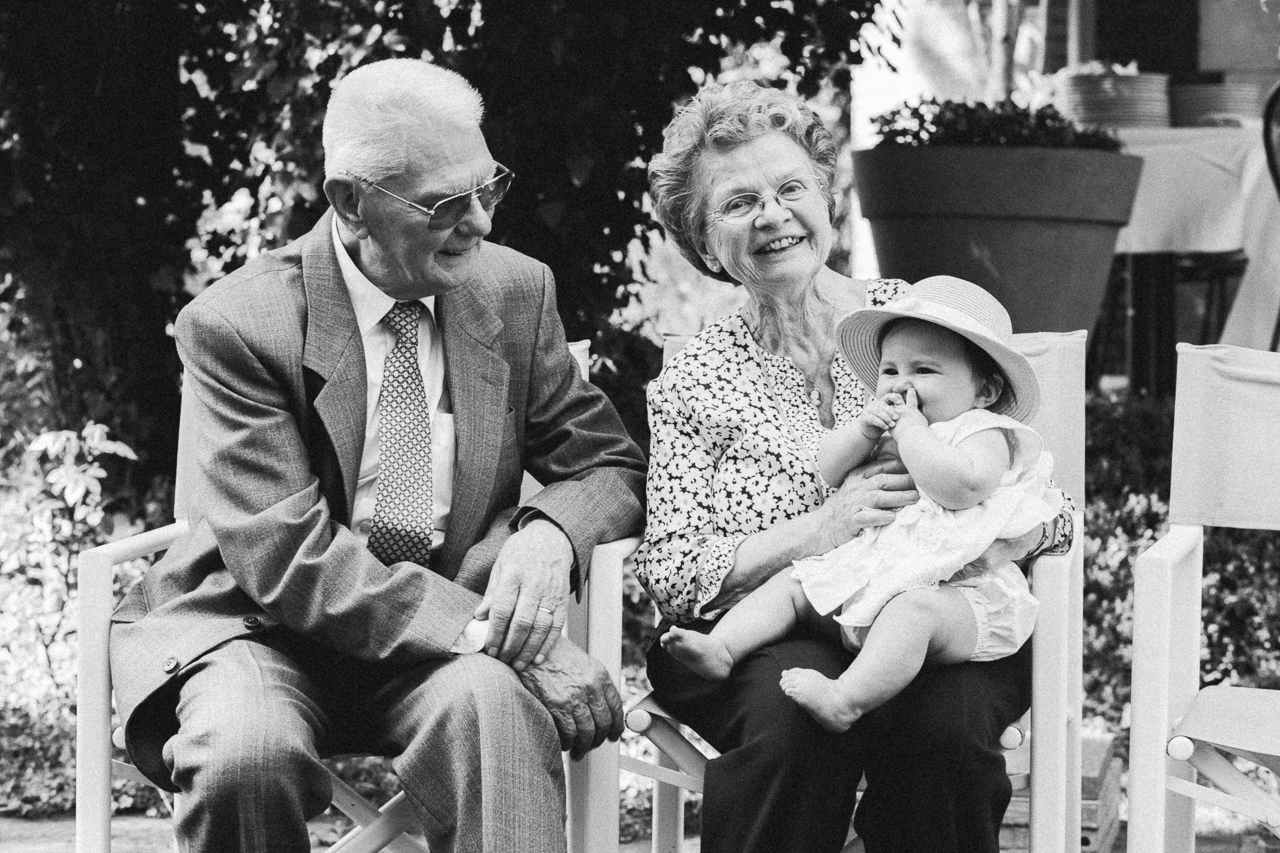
x: 478, y: 378
x: 333, y: 351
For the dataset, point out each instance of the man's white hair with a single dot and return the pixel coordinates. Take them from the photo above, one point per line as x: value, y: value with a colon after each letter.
x: 376, y: 108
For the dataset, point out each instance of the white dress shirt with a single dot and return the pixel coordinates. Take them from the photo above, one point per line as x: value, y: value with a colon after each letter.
x: 371, y: 305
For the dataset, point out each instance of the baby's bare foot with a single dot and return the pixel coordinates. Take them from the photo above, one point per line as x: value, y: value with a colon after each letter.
x: 824, y: 698
x: 702, y: 653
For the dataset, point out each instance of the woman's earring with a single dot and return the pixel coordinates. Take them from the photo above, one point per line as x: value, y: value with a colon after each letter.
x: 713, y: 265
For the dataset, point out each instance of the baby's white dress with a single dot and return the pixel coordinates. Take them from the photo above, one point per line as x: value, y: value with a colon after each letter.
x: 927, y: 544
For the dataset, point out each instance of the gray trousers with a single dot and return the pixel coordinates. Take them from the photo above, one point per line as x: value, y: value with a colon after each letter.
x: 477, y: 755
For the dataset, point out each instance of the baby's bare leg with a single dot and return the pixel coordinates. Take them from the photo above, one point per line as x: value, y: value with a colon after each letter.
x: 765, y: 616
x: 915, y: 627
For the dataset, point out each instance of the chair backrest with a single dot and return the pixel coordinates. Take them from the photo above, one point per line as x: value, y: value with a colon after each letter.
x: 1058, y: 360
x: 672, y: 344
x: 1226, y: 471
x: 581, y: 351
x: 184, y: 476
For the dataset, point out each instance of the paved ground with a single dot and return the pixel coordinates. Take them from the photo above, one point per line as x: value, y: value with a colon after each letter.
x: 151, y: 835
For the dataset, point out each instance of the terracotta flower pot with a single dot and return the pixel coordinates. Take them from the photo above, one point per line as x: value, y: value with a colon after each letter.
x: 1035, y: 226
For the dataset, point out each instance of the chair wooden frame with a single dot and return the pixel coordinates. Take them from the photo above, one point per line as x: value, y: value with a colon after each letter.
x: 1050, y: 748
x: 1178, y: 731
x: 592, y: 781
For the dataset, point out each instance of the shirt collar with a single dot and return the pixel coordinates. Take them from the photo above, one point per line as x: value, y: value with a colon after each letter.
x: 369, y: 302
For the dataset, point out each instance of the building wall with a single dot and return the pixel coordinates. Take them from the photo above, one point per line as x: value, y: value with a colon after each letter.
x: 1161, y: 35
x: 1242, y: 39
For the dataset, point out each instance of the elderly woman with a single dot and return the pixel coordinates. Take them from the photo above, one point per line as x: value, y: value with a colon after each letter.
x: 743, y: 187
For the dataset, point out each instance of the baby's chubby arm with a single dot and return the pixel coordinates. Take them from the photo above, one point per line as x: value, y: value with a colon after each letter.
x: 847, y: 447
x: 956, y: 477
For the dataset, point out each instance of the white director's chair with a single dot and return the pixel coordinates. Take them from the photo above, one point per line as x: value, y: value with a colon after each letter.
x: 1045, y: 746
x: 594, y: 625
x: 1225, y: 473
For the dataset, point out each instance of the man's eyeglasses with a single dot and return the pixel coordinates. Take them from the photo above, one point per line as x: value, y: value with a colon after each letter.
x: 747, y: 206
x: 448, y: 212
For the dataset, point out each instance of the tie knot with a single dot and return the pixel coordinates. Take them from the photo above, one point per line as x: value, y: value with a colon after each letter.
x: 403, y: 318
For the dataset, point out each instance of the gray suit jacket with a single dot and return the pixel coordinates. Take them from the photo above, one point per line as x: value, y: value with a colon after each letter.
x: 275, y: 376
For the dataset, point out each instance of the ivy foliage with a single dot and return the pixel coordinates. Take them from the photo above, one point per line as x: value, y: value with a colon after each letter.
x: 67, y: 492
x: 147, y: 148
x: 92, y: 219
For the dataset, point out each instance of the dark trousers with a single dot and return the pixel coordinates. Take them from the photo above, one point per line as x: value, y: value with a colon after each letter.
x: 935, y: 776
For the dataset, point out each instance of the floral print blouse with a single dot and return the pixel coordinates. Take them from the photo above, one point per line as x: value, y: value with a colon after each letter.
x: 733, y: 451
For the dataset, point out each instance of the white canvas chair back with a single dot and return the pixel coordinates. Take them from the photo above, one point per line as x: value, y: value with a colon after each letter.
x: 1053, y: 749
x: 1058, y: 359
x: 1225, y: 472
x: 1226, y: 468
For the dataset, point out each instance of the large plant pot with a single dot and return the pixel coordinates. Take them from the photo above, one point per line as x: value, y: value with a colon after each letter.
x: 1034, y: 226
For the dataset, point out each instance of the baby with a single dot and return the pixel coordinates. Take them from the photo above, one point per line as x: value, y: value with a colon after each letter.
x: 952, y: 399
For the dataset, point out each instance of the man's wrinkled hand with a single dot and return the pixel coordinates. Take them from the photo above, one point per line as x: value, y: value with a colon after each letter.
x: 527, y: 601
x: 576, y: 689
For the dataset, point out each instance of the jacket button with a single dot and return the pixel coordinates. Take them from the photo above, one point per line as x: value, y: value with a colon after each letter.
x: 169, y: 665
x: 252, y: 622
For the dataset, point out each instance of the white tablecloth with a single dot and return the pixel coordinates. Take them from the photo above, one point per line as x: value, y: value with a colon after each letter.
x: 1208, y: 190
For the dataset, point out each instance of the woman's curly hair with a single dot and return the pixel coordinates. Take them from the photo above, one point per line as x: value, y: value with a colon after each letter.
x: 720, y: 118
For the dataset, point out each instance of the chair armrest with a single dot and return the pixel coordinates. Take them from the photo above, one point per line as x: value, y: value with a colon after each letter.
x: 596, y: 625
x: 1056, y: 694
x: 133, y: 547
x: 1166, y: 666
x: 96, y: 571
x: 1166, y: 616
x: 1176, y: 545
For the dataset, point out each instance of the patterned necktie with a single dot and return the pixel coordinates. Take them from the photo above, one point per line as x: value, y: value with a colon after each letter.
x: 402, y: 517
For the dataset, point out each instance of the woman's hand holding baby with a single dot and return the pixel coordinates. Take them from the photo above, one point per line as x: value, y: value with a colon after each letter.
x: 868, y: 497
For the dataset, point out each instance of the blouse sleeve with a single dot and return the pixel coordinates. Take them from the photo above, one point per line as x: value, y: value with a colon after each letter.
x: 683, y: 560
x: 1060, y: 533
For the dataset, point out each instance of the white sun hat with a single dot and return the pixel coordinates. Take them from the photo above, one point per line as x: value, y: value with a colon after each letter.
x: 955, y: 304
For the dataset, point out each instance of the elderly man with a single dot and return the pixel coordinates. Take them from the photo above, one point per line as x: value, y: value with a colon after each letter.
x: 360, y: 574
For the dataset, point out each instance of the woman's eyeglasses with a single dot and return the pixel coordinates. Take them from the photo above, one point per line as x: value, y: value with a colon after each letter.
x: 747, y: 206
x: 448, y: 212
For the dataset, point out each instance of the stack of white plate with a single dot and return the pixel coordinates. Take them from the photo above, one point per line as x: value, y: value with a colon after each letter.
x: 1116, y: 100
x: 1206, y: 103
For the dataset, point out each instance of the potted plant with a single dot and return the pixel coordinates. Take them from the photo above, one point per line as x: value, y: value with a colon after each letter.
x: 1020, y: 200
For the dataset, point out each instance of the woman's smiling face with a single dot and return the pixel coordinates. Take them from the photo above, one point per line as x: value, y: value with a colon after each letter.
x: 785, y: 242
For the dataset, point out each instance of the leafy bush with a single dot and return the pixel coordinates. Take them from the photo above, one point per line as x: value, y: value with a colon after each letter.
x: 53, y: 505
x: 934, y: 122
x: 1127, y: 448
x: 1115, y: 533
x: 38, y: 754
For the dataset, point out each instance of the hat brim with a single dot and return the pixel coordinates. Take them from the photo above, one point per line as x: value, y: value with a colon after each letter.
x: 859, y: 336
